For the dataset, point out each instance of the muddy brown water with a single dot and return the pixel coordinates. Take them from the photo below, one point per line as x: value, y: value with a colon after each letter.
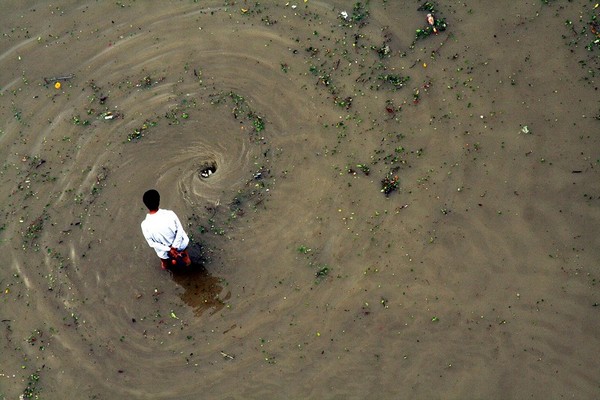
x: 476, y: 278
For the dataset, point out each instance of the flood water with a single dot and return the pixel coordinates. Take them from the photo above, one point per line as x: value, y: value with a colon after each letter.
x: 476, y: 276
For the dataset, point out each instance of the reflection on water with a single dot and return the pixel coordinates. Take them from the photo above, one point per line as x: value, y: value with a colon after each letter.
x: 201, y: 289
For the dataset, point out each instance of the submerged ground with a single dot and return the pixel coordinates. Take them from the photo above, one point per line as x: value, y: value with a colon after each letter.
x: 395, y: 212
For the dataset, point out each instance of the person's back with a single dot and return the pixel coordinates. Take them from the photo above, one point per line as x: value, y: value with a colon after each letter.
x: 164, y: 233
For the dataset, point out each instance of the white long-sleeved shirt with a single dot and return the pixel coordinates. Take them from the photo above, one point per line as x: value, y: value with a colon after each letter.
x: 162, y: 231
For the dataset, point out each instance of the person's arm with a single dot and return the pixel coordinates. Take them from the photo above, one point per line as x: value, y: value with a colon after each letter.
x: 158, y: 246
x: 181, y: 237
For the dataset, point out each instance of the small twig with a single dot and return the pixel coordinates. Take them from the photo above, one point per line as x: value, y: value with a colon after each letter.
x: 418, y: 60
x: 436, y: 51
x: 58, y: 78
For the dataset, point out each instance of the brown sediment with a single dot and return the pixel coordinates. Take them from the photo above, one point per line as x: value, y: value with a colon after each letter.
x: 272, y: 130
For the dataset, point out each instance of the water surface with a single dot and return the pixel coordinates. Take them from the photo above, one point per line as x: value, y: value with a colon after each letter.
x: 475, y: 278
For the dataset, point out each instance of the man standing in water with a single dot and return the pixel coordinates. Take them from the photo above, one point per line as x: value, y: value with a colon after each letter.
x: 164, y: 233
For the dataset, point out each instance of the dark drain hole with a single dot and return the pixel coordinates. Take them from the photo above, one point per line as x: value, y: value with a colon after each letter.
x: 208, y: 169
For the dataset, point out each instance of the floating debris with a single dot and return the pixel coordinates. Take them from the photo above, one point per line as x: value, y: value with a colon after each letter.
x: 240, y: 109
x: 427, y: 6
x: 364, y: 168
x: 58, y: 79
x: 397, y: 81
x: 434, y: 25
x: 147, y: 81
x: 430, y: 19
x: 207, y: 170
x: 389, y: 184
x: 304, y: 249
x: 322, y: 272
x: 138, y: 133
x: 359, y: 15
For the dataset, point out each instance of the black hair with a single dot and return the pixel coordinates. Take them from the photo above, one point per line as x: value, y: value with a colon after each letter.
x: 151, y: 199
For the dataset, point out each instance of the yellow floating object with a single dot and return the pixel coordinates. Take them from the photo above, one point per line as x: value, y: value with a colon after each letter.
x: 57, y: 85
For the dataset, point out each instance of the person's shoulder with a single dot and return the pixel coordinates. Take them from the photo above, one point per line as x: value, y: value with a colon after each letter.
x: 164, y: 213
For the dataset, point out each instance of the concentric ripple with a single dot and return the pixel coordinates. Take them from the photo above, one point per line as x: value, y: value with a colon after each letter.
x: 142, y: 96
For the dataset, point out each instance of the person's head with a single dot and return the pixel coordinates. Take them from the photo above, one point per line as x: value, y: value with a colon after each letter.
x: 151, y: 199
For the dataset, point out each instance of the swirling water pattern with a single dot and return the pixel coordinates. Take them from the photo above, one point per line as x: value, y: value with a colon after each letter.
x: 475, y: 279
